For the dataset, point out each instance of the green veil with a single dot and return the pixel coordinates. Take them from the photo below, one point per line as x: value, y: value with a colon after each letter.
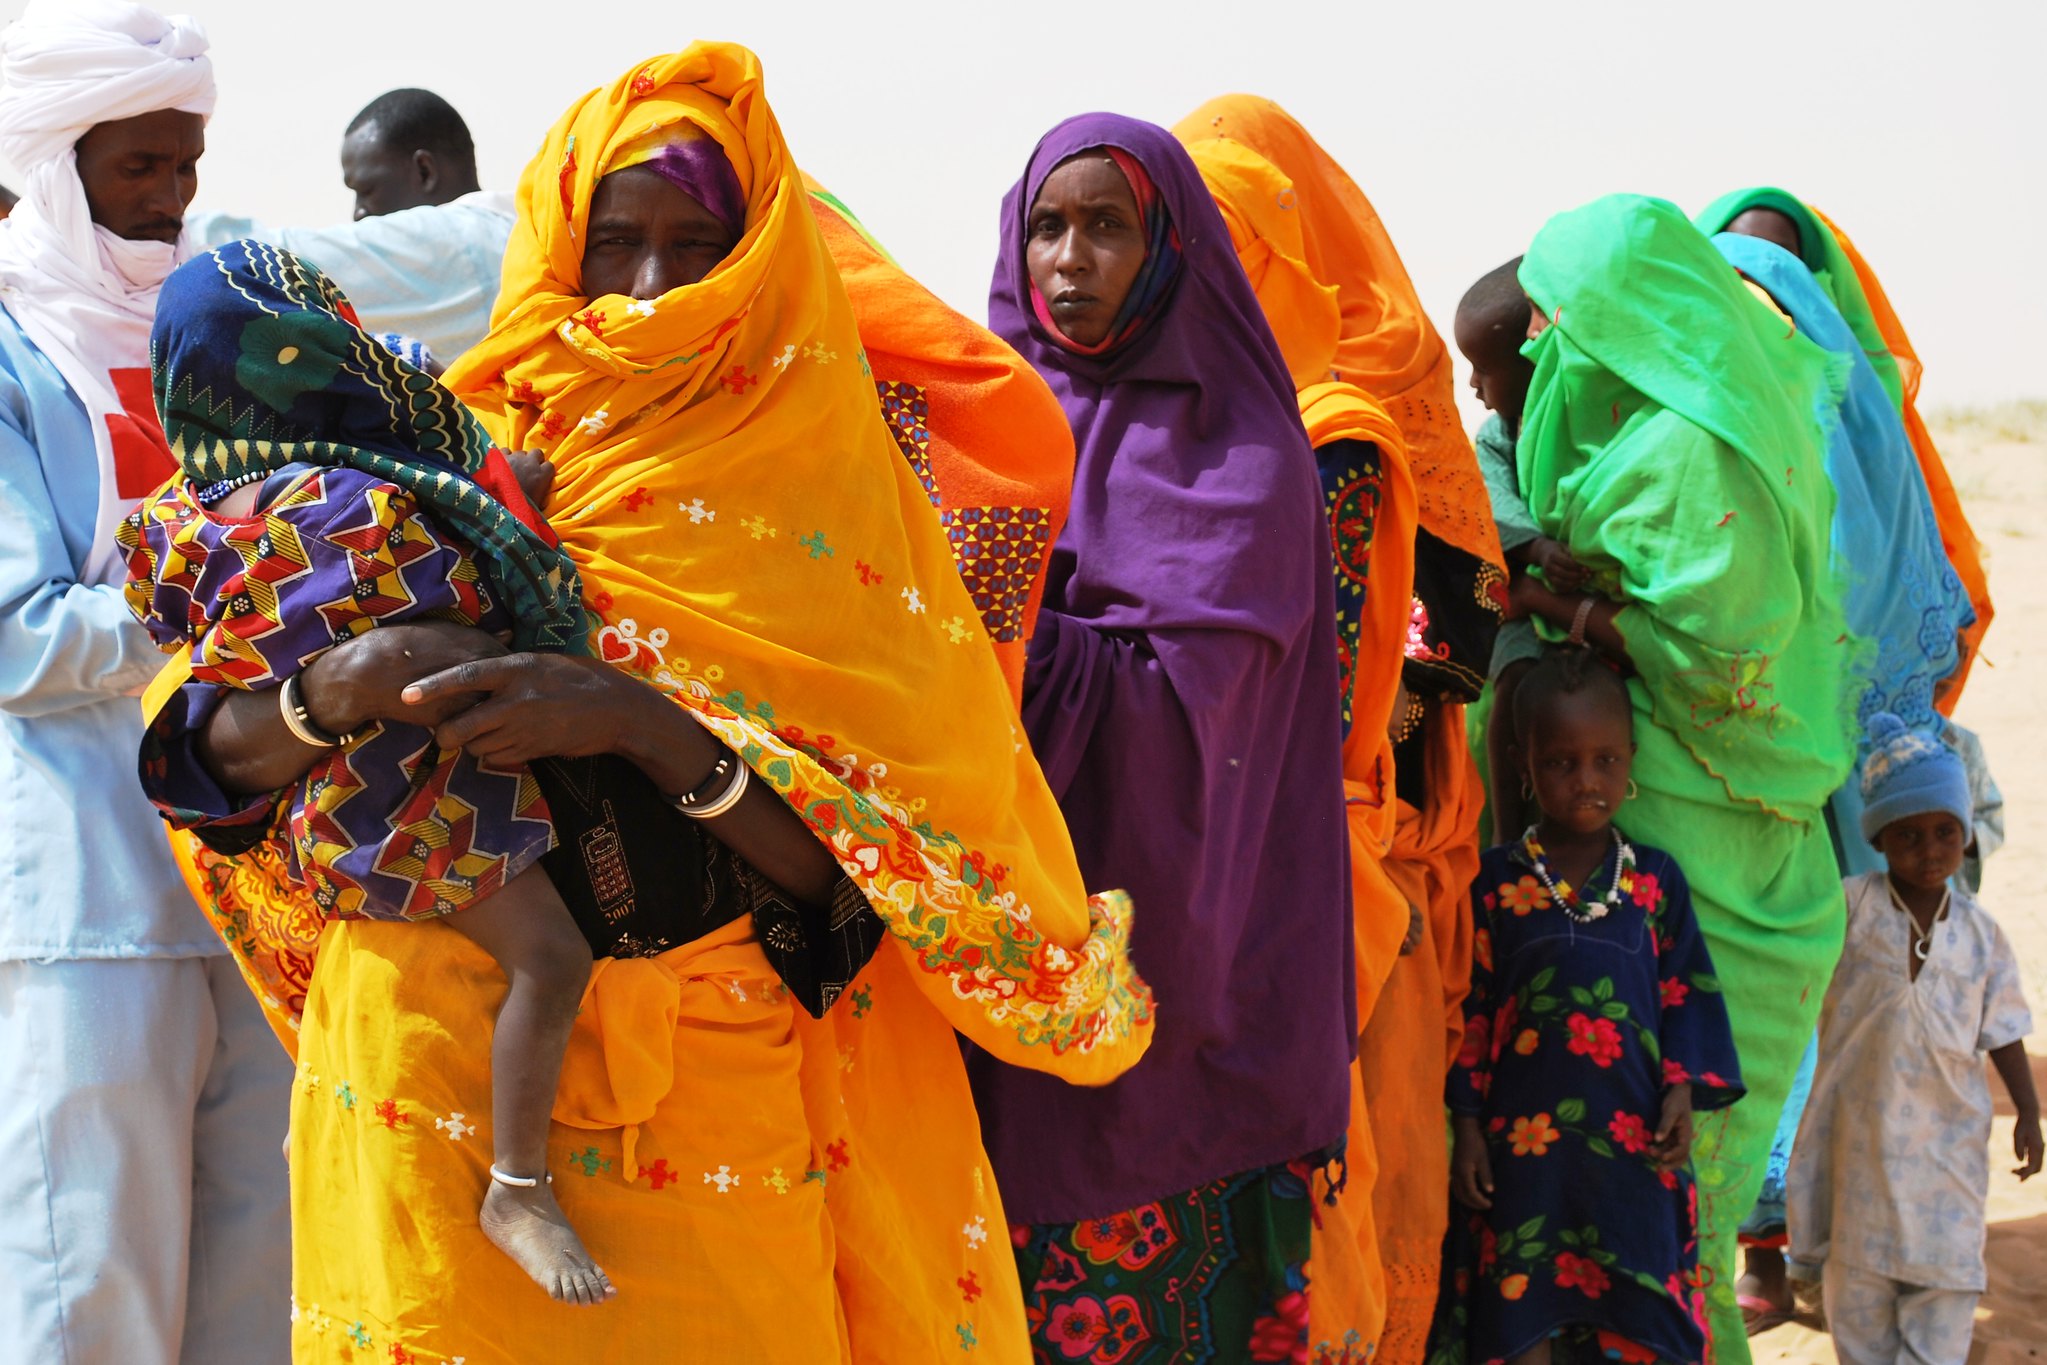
x: 1675, y: 439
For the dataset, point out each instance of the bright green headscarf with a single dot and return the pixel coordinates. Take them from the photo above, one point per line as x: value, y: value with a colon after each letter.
x: 1827, y: 262
x: 1674, y: 440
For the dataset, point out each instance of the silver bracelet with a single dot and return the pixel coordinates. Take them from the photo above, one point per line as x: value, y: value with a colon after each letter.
x: 523, y: 1182
x: 299, y: 721
x: 725, y: 800
x: 1582, y: 619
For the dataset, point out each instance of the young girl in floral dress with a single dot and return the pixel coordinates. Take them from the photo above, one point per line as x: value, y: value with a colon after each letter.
x: 1593, y: 1030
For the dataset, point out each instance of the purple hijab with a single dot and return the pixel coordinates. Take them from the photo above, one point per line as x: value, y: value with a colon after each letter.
x: 1181, y: 693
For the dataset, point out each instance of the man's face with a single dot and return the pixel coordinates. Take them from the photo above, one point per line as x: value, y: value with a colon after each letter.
x: 383, y: 179
x: 140, y: 173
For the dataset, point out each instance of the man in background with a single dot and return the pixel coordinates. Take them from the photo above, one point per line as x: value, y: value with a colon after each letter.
x: 423, y: 255
x: 142, y: 1097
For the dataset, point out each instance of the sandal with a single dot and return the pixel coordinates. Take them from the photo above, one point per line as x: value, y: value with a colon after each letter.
x: 1759, y: 1315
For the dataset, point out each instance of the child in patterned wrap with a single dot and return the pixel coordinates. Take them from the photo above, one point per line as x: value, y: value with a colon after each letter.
x: 1593, y: 1029
x: 254, y: 578
x: 1885, y: 1192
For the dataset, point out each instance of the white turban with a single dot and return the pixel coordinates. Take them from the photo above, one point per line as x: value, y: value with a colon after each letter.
x: 83, y: 295
x: 66, y: 65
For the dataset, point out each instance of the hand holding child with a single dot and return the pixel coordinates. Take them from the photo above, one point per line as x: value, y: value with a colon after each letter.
x: 535, y: 476
x: 1560, y: 570
x: 1471, y: 1166
x: 1672, y: 1145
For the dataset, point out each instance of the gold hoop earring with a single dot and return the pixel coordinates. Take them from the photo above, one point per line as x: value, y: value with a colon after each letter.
x: 1633, y: 790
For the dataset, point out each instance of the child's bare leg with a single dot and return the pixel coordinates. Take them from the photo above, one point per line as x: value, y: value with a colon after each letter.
x: 1538, y: 1354
x: 529, y: 932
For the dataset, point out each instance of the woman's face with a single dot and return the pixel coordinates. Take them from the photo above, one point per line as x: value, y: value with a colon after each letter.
x: 646, y: 237
x: 1086, y: 245
x: 1769, y: 224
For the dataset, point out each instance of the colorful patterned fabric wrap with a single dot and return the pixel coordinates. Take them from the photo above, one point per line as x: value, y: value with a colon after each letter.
x: 1573, y: 1031
x: 390, y: 826
x: 259, y: 363
x: 1352, y: 478
x: 1214, y: 1274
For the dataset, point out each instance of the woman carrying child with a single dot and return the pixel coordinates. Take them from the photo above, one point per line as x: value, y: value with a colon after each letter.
x: 1673, y: 442
x: 774, y: 597
x: 1593, y: 1031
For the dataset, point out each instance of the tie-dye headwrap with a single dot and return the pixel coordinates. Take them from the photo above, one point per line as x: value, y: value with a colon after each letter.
x: 1155, y: 278
x: 692, y: 161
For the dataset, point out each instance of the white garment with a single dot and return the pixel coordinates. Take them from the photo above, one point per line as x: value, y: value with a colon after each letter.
x: 143, y: 1192
x: 84, y: 296
x: 430, y: 273
x: 1875, y: 1320
x: 1891, y: 1167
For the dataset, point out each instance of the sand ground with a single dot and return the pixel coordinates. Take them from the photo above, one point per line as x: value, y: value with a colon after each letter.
x: 1996, y: 458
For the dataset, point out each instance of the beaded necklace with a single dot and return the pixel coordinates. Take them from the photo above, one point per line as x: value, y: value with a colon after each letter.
x: 1561, y: 892
x: 214, y: 492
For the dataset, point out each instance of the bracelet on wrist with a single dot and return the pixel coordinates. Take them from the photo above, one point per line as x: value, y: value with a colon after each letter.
x: 1582, y: 619
x: 291, y: 705
x: 719, y: 791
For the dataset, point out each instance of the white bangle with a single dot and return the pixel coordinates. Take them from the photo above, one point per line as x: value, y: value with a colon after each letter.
x: 725, y: 800
x: 523, y: 1182
x: 299, y: 721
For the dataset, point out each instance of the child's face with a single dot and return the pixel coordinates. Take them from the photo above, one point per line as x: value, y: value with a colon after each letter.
x: 1579, y: 753
x: 1924, y: 850
x: 1499, y: 372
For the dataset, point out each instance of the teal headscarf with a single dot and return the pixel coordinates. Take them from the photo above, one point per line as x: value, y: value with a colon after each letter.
x: 259, y: 362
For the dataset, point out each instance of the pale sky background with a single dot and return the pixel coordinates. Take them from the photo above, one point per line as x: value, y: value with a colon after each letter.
x: 1920, y: 127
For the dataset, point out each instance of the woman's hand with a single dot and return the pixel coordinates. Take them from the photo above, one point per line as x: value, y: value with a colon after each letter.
x: 245, y: 745
x: 551, y: 706
x: 361, y: 681
x: 1559, y: 568
x: 1413, y: 938
x: 535, y: 475
x: 1672, y: 1145
x: 1471, y: 1165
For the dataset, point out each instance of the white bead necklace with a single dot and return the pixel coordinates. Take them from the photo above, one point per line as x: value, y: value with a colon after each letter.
x: 1561, y: 892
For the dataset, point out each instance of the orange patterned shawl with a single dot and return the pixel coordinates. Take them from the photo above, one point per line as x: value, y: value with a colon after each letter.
x: 756, y: 546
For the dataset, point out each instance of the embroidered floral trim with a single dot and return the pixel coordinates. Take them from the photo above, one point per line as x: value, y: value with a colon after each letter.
x: 945, y: 901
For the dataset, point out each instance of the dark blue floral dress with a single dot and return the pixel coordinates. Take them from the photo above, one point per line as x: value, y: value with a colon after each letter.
x: 1573, y: 1031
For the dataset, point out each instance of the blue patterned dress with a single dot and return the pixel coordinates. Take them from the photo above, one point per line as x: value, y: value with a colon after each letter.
x: 1573, y: 1031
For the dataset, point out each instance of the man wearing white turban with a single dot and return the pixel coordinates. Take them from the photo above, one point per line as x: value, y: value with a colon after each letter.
x: 142, y: 1100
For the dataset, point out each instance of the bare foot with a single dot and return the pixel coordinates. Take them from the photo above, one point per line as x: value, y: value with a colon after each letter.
x: 528, y: 1226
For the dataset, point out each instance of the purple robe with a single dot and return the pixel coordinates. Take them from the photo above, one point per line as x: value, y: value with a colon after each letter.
x: 1182, y: 695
